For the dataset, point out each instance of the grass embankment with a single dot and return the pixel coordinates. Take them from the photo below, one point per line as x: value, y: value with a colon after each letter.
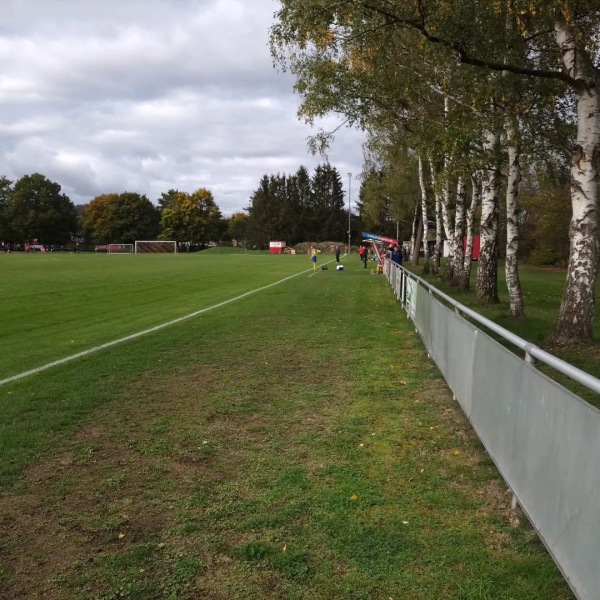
x: 294, y: 444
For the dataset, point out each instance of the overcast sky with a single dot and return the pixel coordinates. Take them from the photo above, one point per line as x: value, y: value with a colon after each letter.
x: 145, y: 96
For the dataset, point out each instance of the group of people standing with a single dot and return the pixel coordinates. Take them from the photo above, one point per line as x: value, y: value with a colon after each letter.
x: 314, y: 252
x: 394, y: 253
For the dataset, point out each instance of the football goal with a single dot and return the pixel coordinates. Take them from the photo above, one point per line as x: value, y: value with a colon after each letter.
x: 119, y: 248
x: 155, y: 247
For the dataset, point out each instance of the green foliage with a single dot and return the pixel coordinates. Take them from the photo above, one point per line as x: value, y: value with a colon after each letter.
x: 35, y: 208
x: 266, y: 207
x: 193, y: 218
x: 237, y: 227
x: 5, y: 191
x: 167, y: 199
x: 388, y: 196
x: 296, y: 208
x: 328, y: 218
x: 120, y: 218
x: 546, y: 228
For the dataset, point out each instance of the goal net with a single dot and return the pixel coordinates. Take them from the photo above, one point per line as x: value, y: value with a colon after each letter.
x: 155, y: 247
x: 119, y: 248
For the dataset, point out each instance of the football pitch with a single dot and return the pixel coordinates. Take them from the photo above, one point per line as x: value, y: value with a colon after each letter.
x: 57, y: 305
x: 233, y: 425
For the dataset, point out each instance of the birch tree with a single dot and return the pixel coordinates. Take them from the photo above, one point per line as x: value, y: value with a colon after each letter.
x: 554, y: 41
x: 424, y: 218
x: 512, y: 230
x: 542, y: 28
x: 438, y: 249
x: 456, y: 251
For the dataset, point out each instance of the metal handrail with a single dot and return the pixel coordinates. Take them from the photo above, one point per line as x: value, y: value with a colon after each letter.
x: 531, y: 350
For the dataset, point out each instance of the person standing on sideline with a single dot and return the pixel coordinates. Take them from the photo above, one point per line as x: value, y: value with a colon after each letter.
x: 337, y: 254
x: 313, y: 257
x: 364, y: 255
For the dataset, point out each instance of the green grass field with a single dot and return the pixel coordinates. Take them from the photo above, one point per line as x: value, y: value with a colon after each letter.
x: 293, y: 444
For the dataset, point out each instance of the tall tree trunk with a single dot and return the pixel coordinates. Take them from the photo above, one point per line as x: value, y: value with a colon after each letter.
x: 465, y: 279
x: 417, y: 245
x: 424, y: 218
x: 487, y: 266
x: 512, y: 227
x: 451, y: 262
x: 576, y: 314
x: 437, y: 252
x: 447, y: 220
x: 414, y: 232
x: 456, y: 248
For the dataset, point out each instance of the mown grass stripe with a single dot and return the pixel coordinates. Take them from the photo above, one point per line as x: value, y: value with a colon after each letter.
x: 134, y: 336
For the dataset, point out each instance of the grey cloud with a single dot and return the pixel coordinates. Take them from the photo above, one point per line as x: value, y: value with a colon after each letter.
x: 150, y: 95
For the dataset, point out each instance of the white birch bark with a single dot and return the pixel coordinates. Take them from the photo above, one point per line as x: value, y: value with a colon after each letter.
x: 456, y: 244
x: 512, y: 227
x: 487, y: 265
x: 443, y: 218
x: 437, y: 253
x: 465, y: 279
x: 417, y: 246
x: 447, y: 220
x: 424, y: 217
x: 451, y: 262
x: 575, y: 318
x: 413, y: 236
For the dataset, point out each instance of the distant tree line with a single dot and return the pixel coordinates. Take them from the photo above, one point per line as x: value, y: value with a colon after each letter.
x: 34, y: 208
x: 297, y: 208
x: 292, y: 208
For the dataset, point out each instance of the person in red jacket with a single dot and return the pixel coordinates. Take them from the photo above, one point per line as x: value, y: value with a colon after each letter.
x: 364, y: 255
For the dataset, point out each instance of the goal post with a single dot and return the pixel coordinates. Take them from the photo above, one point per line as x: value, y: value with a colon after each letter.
x: 119, y: 248
x: 155, y: 247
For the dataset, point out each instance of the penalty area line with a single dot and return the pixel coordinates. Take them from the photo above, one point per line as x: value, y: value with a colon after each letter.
x: 134, y: 336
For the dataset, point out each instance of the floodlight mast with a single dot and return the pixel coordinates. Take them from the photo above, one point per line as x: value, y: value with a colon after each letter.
x: 349, y: 212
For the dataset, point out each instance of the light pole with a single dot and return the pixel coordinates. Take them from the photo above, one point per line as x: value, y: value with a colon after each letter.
x: 349, y: 212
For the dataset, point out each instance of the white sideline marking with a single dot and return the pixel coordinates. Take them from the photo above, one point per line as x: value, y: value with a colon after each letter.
x: 133, y: 336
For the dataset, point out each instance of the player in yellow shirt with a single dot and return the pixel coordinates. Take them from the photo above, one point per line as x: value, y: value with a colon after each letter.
x: 313, y: 257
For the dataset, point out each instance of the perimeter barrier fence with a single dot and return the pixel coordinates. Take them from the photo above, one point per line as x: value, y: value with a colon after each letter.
x: 544, y: 439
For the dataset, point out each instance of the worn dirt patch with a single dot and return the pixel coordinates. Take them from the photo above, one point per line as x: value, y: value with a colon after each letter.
x: 102, y: 491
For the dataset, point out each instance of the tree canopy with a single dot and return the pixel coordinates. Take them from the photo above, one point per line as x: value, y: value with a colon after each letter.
x: 124, y: 218
x: 35, y: 208
x: 456, y: 83
x: 296, y: 208
x: 193, y: 218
